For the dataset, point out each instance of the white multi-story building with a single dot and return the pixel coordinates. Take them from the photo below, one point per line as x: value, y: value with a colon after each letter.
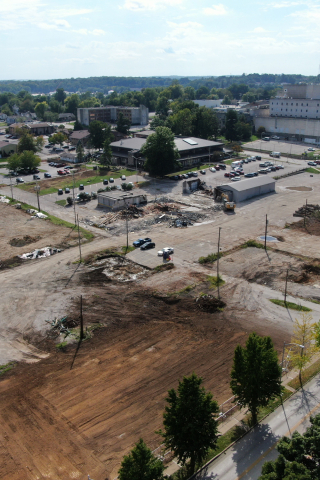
x: 295, y: 112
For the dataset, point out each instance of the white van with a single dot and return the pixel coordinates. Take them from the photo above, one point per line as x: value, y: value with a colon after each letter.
x: 123, y: 177
x: 275, y: 154
x: 236, y: 164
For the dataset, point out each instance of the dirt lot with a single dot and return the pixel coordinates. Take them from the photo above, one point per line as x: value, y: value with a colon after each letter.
x: 62, y: 422
x: 85, y: 418
x: 21, y: 234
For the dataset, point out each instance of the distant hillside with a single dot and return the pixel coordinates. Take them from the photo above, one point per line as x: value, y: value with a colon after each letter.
x: 121, y: 84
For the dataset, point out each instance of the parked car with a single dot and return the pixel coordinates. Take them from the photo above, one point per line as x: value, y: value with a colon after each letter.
x: 141, y: 241
x: 47, y: 146
x: 147, y: 246
x: 111, y: 180
x: 67, y: 190
x: 274, y: 137
x: 169, y: 250
x: 203, y: 172
x: 65, y: 146
x: 235, y: 179
x: 105, y: 181
x: 19, y: 180
x: 60, y: 191
x: 175, y: 177
x: 36, y: 177
x: 217, y: 167
x: 81, y: 186
x: 223, y: 166
x: 311, y: 149
x: 118, y: 187
x: 72, y: 148
x: 258, y: 157
x: 280, y: 167
x: 212, y: 169
x: 249, y: 175
x: 194, y: 174
x: 123, y: 177
x: 312, y: 164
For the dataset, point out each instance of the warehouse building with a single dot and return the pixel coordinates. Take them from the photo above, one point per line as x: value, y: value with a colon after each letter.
x: 248, y: 188
x: 118, y: 200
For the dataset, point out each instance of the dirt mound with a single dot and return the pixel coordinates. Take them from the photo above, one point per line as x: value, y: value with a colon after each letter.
x: 209, y: 303
x: 113, y: 267
x: 22, y: 241
x: 310, y: 225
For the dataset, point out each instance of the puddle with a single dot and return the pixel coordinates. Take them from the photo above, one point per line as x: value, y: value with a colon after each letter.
x: 269, y: 238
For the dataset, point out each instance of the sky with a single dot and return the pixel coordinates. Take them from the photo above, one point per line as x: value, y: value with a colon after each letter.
x: 68, y: 38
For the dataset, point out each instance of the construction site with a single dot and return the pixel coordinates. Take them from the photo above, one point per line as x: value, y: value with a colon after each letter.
x: 73, y: 407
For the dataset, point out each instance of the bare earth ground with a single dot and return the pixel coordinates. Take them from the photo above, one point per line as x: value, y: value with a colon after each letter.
x: 63, y: 422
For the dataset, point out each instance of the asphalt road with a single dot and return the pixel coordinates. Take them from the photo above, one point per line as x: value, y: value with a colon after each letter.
x: 244, y: 460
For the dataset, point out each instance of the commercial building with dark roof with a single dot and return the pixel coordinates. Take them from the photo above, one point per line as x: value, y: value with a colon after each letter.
x: 79, y: 136
x: 192, y: 151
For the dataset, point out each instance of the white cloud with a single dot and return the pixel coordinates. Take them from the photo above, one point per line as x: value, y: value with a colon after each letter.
x: 85, y: 31
x: 259, y: 30
x: 139, y: 5
x: 70, y: 12
x: 215, y: 10
x: 287, y: 4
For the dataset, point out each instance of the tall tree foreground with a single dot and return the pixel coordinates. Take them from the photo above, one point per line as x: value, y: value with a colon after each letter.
x: 161, y: 152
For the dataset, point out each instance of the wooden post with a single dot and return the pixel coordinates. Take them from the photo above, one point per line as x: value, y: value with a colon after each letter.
x: 79, y: 238
x: 285, y: 288
x: 218, y: 283
x: 305, y: 214
x: 81, y: 320
x: 265, y: 234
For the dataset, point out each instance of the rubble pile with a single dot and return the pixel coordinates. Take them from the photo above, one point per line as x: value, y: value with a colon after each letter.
x: 209, y: 303
x: 39, y: 253
x: 308, y: 210
x: 61, y: 325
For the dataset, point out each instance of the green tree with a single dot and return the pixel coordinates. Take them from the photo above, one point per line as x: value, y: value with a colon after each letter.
x: 29, y: 160
x: 256, y: 374
x: 106, y: 156
x: 299, y: 457
x: 77, y: 126
x: 80, y: 151
x: 14, y: 162
x: 157, y: 121
x: 161, y: 152
x: 227, y: 100
x: 231, y: 122
x: 260, y: 131
x: 190, y: 428
x: 72, y: 103
x: 60, y: 95
x: 243, y: 131
x: 206, y: 123
x: 123, y: 124
x: 182, y: 122
x: 58, y: 137
x: 40, y: 109
x: 97, y: 133
x: 162, y: 106
x: 26, y: 142
x: 141, y: 464
x: 6, y: 109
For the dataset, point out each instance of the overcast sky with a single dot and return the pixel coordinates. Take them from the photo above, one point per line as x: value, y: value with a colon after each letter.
x: 43, y: 39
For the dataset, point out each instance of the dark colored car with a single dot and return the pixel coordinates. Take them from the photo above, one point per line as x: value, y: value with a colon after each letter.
x: 81, y: 186
x: 175, y: 177
x: 222, y: 166
x: 47, y: 175
x: 36, y: 177
x: 249, y: 175
x: 217, y: 167
x: 141, y: 241
x: 147, y: 246
x: 258, y: 157
x: 60, y: 191
x: 105, y: 182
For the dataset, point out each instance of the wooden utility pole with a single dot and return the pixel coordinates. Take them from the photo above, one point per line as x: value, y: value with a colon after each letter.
x: 11, y: 187
x: 265, y: 234
x: 79, y: 238
x: 305, y: 214
x: 218, y: 278
x: 285, y: 288
x: 74, y: 203
x: 81, y: 320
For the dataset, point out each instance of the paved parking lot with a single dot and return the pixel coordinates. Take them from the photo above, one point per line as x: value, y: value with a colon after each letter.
x: 280, y: 146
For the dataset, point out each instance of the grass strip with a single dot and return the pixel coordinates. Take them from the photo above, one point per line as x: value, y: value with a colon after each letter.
x: 61, y: 202
x: 253, y: 243
x: 312, y: 170
x: 211, y: 258
x: 6, y: 368
x: 215, y: 281
x: 291, y: 305
x: 306, y: 375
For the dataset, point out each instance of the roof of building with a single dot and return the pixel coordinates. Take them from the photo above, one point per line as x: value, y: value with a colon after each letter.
x: 79, y: 134
x: 120, y: 195
x: 248, y: 183
x: 186, y: 143
x: 67, y: 155
x: 39, y: 125
x: 6, y: 144
x: 145, y: 133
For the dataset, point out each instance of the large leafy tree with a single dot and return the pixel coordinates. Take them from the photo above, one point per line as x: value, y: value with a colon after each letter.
x: 182, y: 122
x: 14, y: 162
x: 80, y: 152
x: 40, y: 109
x: 123, y: 124
x: 141, y: 464
x: 161, y: 152
x: 58, y: 137
x: 256, y: 374
x: 97, y: 133
x: 190, y: 428
x: 206, y: 123
x: 72, y: 103
x: 28, y: 142
x: 29, y: 160
x: 299, y: 457
x: 231, y: 125
x: 106, y: 156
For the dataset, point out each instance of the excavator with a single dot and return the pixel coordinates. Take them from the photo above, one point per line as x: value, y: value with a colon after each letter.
x: 228, y: 205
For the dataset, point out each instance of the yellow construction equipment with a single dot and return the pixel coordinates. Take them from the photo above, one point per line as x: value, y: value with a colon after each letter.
x: 228, y: 205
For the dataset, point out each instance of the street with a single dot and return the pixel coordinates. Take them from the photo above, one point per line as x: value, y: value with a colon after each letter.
x: 245, y: 458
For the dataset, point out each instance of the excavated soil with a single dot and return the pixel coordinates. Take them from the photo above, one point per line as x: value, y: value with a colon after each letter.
x: 310, y: 226
x: 80, y: 410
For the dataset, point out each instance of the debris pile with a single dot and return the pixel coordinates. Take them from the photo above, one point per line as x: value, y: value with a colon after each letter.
x: 308, y: 210
x: 61, y: 325
x: 39, y: 253
x: 3, y: 199
x: 185, y: 219
x: 209, y: 303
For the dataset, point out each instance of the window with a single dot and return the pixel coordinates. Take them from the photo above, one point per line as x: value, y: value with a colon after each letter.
x: 301, y: 106
x: 286, y: 109
x: 307, y: 104
x: 291, y: 104
x: 296, y: 104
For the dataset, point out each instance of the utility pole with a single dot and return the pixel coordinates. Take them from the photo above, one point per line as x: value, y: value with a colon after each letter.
x: 74, y: 203
x: 265, y: 234
x: 37, y: 188
x: 11, y: 187
x: 79, y: 238
x: 305, y: 214
x: 285, y: 288
x: 81, y: 320
x: 218, y: 278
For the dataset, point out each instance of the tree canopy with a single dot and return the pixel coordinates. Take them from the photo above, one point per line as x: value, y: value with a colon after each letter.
x: 256, y: 374
x: 123, y: 124
x: 97, y: 131
x: 299, y: 457
x: 141, y: 464
x: 190, y: 428
x: 161, y: 152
